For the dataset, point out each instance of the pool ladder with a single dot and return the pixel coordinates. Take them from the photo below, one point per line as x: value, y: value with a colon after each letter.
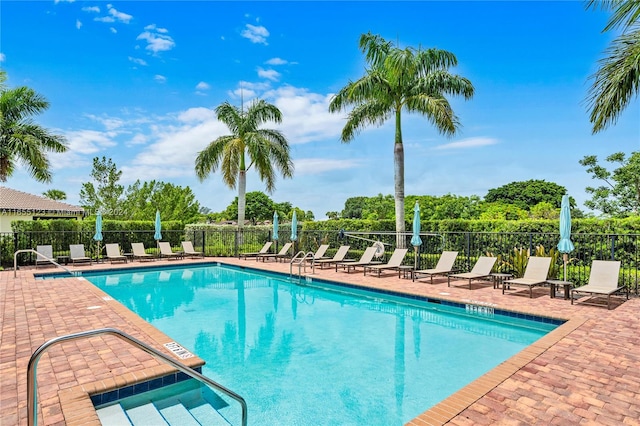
x: 300, y: 259
x: 32, y: 384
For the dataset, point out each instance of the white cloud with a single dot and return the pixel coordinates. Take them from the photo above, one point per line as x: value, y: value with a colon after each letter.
x: 160, y: 78
x: 91, y: 9
x: 276, y: 61
x: 113, y: 30
x: 257, y: 34
x: 119, y: 16
x: 113, y: 15
x: 196, y: 115
x: 272, y: 75
x: 107, y: 19
x: 175, y: 148
x: 78, y: 24
x: 138, y: 139
x: 468, y: 143
x: 157, y: 39
x: 249, y: 90
x: 138, y: 61
x: 109, y: 123
x: 63, y: 1
x: 306, y: 115
x: 89, y: 141
x: 314, y: 166
x: 243, y: 93
x: 2, y: 57
x: 203, y: 86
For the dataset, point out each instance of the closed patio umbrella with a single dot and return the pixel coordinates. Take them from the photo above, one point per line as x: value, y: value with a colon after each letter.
x: 98, y: 235
x: 275, y: 226
x: 565, y: 246
x: 294, y: 227
x: 416, y: 241
x: 158, y: 234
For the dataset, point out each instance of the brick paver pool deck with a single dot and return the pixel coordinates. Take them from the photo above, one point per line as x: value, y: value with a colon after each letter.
x: 587, y: 371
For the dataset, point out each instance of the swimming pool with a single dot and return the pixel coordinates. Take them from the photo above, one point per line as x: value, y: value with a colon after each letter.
x: 319, y: 353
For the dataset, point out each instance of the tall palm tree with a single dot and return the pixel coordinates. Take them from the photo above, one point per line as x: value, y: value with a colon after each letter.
x: 618, y: 78
x: 409, y: 79
x: 21, y: 140
x: 266, y: 149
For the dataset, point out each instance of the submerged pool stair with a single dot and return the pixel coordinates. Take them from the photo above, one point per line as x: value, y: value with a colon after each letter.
x: 184, y: 407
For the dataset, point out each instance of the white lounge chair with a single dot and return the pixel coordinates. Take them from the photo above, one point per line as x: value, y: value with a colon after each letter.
x: 365, y: 260
x: 165, y: 251
x: 319, y: 254
x: 482, y: 269
x: 45, y: 256
x: 113, y: 253
x: 188, y: 250
x: 78, y: 255
x: 139, y: 252
x: 338, y: 257
x: 534, y: 274
x: 392, y: 265
x: 264, y: 250
x: 282, y: 254
x: 443, y: 267
x: 603, y: 281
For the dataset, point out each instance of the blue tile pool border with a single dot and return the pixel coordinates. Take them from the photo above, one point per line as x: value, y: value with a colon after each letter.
x: 141, y: 387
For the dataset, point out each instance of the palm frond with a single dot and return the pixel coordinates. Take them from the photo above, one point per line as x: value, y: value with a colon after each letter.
x: 208, y: 160
x: 616, y: 81
x: 375, y: 48
x: 626, y: 13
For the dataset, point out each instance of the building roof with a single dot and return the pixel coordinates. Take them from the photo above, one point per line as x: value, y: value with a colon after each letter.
x: 17, y: 201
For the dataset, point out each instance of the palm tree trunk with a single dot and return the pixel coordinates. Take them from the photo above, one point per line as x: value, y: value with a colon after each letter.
x: 398, y: 161
x: 242, y: 195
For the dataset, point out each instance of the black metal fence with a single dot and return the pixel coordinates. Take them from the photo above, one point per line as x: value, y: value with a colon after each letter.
x: 469, y: 245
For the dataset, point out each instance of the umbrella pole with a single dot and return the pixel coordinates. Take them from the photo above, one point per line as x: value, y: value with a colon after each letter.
x: 565, y: 258
x: 415, y: 265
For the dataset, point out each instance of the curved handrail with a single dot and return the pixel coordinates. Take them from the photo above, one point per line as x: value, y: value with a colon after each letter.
x: 32, y: 385
x: 15, y: 261
x: 293, y: 259
x: 302, y: 261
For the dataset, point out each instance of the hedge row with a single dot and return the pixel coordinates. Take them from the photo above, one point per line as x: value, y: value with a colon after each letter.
x: 629, y: 225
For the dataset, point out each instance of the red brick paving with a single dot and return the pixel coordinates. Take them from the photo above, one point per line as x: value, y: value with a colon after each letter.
x: 585, y: 372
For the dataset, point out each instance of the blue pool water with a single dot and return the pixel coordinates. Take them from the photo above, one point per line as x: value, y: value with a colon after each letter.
x: 317, y: 353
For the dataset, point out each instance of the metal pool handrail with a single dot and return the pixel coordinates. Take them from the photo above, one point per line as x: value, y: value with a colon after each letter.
x: 301, y: 261
x: 32, y: 385
x: 15, y: 261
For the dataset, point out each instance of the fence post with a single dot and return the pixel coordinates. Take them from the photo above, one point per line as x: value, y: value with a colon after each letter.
x: 467, y: 236
x: 235, y: 244
x: 613, y: 247
x: 204, y: 241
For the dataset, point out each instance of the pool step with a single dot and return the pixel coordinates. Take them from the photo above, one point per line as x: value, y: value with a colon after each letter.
x: 198, y: 413
x: 146, y: 415
x: 113, y: 415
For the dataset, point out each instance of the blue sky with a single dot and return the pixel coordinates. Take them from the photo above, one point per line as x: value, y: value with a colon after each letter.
x: 138, y: 82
